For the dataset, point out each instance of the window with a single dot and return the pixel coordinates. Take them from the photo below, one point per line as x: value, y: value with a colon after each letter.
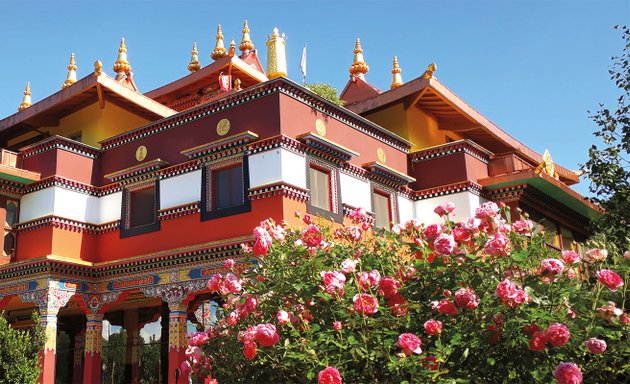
x: 320, y: 188
x: 382, y: 210
x: 11, y: 219
x: 140, y: 208
x: 224, y: 190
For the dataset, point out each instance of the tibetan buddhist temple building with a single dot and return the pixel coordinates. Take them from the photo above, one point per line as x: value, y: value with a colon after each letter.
x: 119, y: 205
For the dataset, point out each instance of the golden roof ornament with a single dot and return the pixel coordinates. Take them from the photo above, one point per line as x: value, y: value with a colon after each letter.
x: 276, y: 55
x: 246, y: 44
x: 121, y: 65
x: 547, y: 166
x: 358, y: 67
x: 429, y: 72
x: 237, y: 84
x: 396, y: 76
x: 219, y: 48
x: 26, y: 101
x: 98, y: 68
x: 194, y: 64
x: 72, y: 73
x: 232, y: 50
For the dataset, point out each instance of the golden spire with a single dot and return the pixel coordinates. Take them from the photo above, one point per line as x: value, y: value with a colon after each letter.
x: 26, y: 101
x: 429, y: 72
x: 276, y: 55
x: 219, y: 49
x: 121, y: 65
x: 246, y: 44
x: 232, y: 49
x: 547, y: 166
x: 396, y: 76
x: 72, y: 73
x: 194, y: 64
x: 358, y: 67
x: 98, y: 68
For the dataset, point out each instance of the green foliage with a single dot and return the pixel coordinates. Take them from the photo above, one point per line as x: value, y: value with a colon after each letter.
x: 114, y: 357
x: 326, y: 91
x: 486, y: 344
x: 609, y: 162
x: 19, y: 352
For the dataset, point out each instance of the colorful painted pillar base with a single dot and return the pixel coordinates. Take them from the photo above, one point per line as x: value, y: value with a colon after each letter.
x: 177, y: 343
x: 93, y: 360
x: 77, y: 365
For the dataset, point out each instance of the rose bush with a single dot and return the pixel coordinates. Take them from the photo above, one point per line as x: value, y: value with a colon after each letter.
x: 480, y: 301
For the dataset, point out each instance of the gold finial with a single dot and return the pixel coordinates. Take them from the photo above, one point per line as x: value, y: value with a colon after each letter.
x: 246, y: 44
x: 219, y: 49
x: 26, y: 101
x: 98, y: 68
x: 358, y: 67
x: 276, y: 55
x: 396, y: 76
x: 72, y: 73
x: 429, y: 72
x: 121, y: 65
x: 232, y: 49
x: 547, y: 166
x: 237, y: 84
x: 194, y: 64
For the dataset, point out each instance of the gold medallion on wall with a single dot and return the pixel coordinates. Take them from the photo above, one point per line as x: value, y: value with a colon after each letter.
x: 223, y: 127
x: 380, y: 155
x: 141, y: 153
x: 320, y: 127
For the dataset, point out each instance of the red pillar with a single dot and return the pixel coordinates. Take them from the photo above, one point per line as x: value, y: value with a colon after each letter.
x: 132, y: 359
x: 77, y: 368
x: 176, y: 343
x: 93, y: 362
x: 48, y: 321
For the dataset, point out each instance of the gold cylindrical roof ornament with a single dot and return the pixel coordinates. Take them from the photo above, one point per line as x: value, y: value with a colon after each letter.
x: 122, y: 66
x: 72, y: 73
x: 428, y: 74
x: 232, y: 50
x: 98, y: 68
x: 219, y: 48
x: 358, y: 67
x: 26, y: 101
x: 194, y: 64
x: 396, y: 76
x: 276, y: 55
x: 246, y: 44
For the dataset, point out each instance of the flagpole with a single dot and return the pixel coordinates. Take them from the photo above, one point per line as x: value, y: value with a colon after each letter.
x: 303, y: 65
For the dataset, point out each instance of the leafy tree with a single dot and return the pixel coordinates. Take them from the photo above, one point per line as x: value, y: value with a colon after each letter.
x: 326, y: 91
x: 150, y: 361
x: 609, y: 163
x: 19, y: 352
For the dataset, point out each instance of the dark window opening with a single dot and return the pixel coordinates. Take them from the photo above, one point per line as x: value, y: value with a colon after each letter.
x: 227, y: 187
x: 142, y: 207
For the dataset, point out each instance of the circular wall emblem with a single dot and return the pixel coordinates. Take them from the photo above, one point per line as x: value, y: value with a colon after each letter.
x: 320, y: 127
x: 380, y: 155
x: 223, y: 127
x: 141, y: 153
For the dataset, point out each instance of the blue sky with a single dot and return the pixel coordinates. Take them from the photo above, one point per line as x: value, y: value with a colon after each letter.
x: 532, y: 67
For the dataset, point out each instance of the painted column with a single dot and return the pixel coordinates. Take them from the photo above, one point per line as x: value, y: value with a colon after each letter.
x: 77, y: 362
x: 176, y: 342
x: 48, y: 321
x: 93, y: 362
x: 132, y: 357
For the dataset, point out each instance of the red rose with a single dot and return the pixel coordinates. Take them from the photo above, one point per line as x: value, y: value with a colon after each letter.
x: 444, y: 209
x: 610, y: 279
x: 567, y: 373
x: 329, y: 375
x: 558, y: 334
x: 267, y: 335
x: 365, y: 304
x: 538, y: 341
x: 249, y: 350
x: 466, y: 298
x: 311, y: 236
x: 409, y: 343
x: 388, y: 287
x: 433, y: 327
x: 445, y: 307
x: 444, y: 244
x: 530, y: 329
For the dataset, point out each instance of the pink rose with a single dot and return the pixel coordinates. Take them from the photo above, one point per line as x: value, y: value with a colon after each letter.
x: 231, y: 284
x: 558, y: 334
x: 334, y: 282
x: 365, y: 304
x: 567, y: 373
x: 595, y: 346
x: 498, y: 246
x: 348, y: 266
x: 337, y: 326
x: 461, y: 234
x: 472, y: 224
x: 626, y: 255
x: 466, y: 298
x: 610, y: 312
x: 368, y: 280
x: 262, y: 241
x: 249, y: 350
x: 354, y: 233
x: 433, y: 327
x: 193, y: 353
x: 409, y: 343
x: 506, y: 289
x: 444, y: 209
x: 397, y: 305
x: 282, y: 317
x: 522, y: 227
x: 214, y: 284
x: 432, y: 231
x: 185, y: 367
x: 595, y: 255
x: 538, y: 341
x: 444, y: 244
x: 307, y: 219
x: 486, y: 210
x: 552, y: 267
x: 445, y: 307
x: 329, y: 375
x: 570, y: 257
x: 311, y: 236
x: 198, y: 338
x: 358, y: 215
x: 610, y: 279
x: 530, y: 329
x: 266, y: 335
x: 388, y: 287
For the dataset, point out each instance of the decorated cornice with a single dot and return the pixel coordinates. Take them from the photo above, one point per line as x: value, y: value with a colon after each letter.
x: 466, y: 146
x: 278, y: 189
x: 132, y: 173
x: 11, y: 188
x: 221, y: 145
x: 59, y: 181
x: 279, y: 85
x: 384, y: 172
x: 67, y: 224
x: 59, y: 142
x: 327, y: 147
x: 179, y: 169
x: 442, y: 190
x: 179, y: 211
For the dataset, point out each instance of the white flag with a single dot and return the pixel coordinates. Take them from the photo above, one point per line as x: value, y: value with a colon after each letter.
x: 303, y: 63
